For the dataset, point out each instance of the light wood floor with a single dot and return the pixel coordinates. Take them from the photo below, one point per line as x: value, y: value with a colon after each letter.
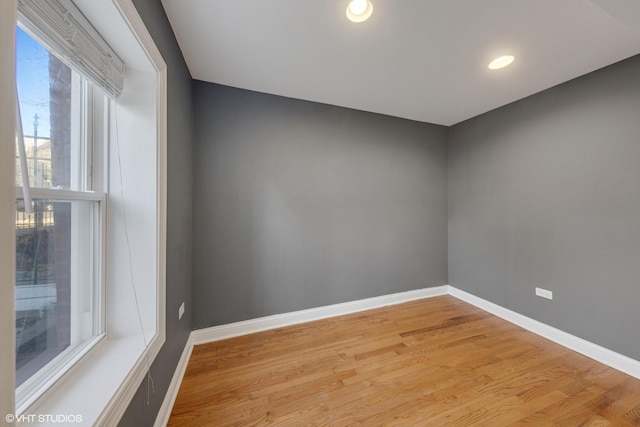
x: 433, y: 362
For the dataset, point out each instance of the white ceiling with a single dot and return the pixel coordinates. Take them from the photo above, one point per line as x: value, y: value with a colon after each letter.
x: 418, y: 59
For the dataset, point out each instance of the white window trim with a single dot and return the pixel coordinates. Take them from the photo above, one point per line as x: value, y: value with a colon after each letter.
x: 101, y: 385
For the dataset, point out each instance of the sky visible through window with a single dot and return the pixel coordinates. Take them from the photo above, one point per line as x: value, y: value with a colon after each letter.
x: 32, y: 76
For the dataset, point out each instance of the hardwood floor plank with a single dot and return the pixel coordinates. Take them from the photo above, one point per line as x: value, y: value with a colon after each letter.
x: 437, y: 361
x: 633, y: 416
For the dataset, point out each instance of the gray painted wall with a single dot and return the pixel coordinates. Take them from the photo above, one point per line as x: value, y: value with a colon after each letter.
x: 299, y: 204
x: 546, y: 192
x: 179, y: 196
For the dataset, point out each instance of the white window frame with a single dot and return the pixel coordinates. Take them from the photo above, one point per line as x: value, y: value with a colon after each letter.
x: 99, y: 387
x: 88, y: 135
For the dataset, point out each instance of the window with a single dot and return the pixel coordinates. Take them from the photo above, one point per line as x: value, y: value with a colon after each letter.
x: 58, y: 303
x: 114, y: 204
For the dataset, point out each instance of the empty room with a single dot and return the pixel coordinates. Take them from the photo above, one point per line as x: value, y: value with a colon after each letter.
x: 331, y: 213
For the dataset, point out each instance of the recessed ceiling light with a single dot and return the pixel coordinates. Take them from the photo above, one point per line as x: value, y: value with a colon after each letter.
x: 501, y: 62
x: 359, y: 10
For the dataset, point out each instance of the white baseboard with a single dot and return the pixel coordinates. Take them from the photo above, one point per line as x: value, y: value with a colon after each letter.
x: 217, y: 333
x: 231, y: 330
x: 172, y: 392
x: 603, y: 355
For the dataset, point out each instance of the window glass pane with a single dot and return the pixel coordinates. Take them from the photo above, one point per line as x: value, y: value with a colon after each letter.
x: 50, y: 98
x: 55, y: 281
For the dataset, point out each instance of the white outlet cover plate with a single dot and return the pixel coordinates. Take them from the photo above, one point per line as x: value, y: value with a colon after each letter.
x: 544, y: 293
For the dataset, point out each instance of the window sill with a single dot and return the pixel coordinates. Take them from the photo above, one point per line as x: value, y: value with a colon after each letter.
x: 98, y: 389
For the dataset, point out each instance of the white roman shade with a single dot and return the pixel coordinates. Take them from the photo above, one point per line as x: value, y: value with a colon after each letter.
x: 61, y: 26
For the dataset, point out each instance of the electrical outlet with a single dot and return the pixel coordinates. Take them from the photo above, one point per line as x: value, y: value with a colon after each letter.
x: 544, y: 293
x: 181, y: 311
